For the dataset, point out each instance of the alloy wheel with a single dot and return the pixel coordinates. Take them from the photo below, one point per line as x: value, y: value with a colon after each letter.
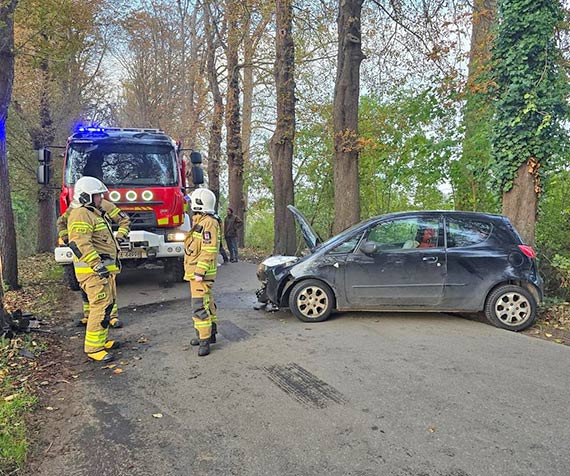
x: 512, y: 308
x: 312, y: 302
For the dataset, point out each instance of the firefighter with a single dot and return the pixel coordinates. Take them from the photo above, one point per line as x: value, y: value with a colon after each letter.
x: 95, y: 262
x: 124, y: 224
x: 200, y: 265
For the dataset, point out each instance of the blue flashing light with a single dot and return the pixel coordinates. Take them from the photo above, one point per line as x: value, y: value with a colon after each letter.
x: 90, y: 129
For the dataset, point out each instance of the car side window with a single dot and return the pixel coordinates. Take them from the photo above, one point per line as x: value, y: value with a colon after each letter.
x: 463, y: 232
x: 406, y: 233
x: 349, y: 245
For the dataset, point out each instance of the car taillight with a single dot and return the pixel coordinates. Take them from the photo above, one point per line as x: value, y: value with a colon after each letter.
x: 528, y: 251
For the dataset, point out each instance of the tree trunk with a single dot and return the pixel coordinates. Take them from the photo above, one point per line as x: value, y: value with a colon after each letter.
x: 233, y: 125
x: 346, y: 96
x: 281, y: 143
x: 470, y: 174
x: 46, y: 197
x: 520, y: 203
x: 250, y: 47
x: 215, y: 140
x: 3, y: 315
x: 8, y: 249
x: 246, y: 127
x: 4, y: 323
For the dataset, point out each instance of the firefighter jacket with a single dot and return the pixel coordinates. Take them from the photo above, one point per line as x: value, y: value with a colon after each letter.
x: 92, y: 242
x: 201, y: 247
x: 111, y: 210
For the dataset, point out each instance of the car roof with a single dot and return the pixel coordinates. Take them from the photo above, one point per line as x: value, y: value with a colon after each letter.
x: 453, y: 213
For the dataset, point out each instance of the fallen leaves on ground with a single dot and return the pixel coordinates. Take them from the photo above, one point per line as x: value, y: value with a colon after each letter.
x: 253, y: 255
x: 553, y: 324
x: 43, y: 291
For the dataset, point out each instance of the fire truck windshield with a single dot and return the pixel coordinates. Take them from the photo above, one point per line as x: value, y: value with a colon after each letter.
x: 122, y: 164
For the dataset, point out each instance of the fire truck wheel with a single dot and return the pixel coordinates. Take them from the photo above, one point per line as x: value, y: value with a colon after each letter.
x: 69, y: 277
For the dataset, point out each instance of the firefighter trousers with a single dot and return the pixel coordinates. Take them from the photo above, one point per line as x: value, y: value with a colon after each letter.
x: 114, y: 311
x: 100, y: 296
x: 203, y: 307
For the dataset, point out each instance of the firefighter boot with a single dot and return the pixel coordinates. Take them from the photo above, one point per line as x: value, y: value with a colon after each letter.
x: 204, y: 348
x: 196, y: 340
x: 101, y: 356
x: 115, y: 323
x: 112, y: 344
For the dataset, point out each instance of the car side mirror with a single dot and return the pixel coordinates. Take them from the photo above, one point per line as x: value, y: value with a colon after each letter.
x: 369, y: 248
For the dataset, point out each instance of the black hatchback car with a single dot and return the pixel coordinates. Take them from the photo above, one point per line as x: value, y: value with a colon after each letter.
x: 413, y: 261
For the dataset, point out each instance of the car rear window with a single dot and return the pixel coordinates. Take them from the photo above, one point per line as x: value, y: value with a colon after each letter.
x: 463, y: 232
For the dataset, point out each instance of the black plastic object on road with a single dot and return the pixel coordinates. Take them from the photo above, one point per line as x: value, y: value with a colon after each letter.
x: 19, y: 322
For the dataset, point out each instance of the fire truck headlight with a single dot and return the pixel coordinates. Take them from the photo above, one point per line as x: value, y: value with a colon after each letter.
x: 147, y: 195
x: 175, y: 237
x: 131, y: 195
x: 114, y: 196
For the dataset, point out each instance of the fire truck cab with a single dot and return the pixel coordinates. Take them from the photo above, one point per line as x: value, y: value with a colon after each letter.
x: 146, y: 178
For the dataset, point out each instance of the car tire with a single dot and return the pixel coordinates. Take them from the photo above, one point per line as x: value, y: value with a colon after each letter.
x: 70, y: 278
x: 311, y: 301
x: 511, y: 307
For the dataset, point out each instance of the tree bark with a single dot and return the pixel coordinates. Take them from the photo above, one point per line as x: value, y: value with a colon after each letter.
x: 8, y: 249
x: 246, y: 125
x: 215, y: 140
x: 3, y: 313
x: 346, y: 97
x: 43, y: 137
x: 281, y: 143
x: 470, y: 175
x: 252, y: 41
x: 520, y: 203
x: 233, y: 124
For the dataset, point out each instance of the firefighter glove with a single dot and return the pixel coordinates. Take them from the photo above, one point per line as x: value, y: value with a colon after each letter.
x: 102, y: 270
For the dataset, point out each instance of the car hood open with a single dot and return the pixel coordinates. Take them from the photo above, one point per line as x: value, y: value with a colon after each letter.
x: 311, y: 238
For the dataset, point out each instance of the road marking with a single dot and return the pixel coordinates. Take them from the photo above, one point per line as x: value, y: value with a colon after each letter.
x: 303, y: 385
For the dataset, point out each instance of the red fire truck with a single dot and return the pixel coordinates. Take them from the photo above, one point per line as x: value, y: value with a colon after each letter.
x: 146, y: 178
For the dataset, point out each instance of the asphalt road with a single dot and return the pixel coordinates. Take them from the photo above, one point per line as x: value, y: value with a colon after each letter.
x: 360, y: 394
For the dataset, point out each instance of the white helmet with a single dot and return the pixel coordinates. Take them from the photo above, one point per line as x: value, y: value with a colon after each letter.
x: 85, y: 188
x: 203, y: 200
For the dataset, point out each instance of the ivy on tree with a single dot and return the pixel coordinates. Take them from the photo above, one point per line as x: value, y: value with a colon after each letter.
x: 530, y: 90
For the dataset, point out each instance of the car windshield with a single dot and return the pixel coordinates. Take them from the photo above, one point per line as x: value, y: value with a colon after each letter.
x: 122, y: 164
x: 344, y: 233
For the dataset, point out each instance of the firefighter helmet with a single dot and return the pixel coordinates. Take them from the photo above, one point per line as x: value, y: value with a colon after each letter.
x: 203, y: 200
x: 85, y: 188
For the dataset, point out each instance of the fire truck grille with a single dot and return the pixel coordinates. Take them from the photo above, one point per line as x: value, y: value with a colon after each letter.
x: 142, y: 220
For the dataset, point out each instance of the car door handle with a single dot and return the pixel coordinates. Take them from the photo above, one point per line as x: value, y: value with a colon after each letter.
x: 430, y: 259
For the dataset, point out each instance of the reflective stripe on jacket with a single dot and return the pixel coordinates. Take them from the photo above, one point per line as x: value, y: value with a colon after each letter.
x: 201, y: 247
x: 112, y: 211
x: 92, y: 241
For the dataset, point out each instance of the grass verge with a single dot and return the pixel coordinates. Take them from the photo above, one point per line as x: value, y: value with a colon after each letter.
x: 16, y: 400
x: 21, y: 358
